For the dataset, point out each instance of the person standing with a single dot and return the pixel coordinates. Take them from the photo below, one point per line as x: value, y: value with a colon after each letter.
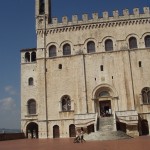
x: 82, y: 136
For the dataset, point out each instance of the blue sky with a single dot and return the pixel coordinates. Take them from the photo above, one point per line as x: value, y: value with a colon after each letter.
x: 17, y: 31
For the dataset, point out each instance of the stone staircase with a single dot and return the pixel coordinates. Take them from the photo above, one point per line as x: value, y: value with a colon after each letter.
x: 106, y: 131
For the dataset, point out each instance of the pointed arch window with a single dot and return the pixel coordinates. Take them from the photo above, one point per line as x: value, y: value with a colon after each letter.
x: 30, y: 81
x: 66, y: 103
x: 132, y: 42
x: 108, y: 45
x: 66, y: 49
x: 33, y: 56
x: 146, y: 95
x: 90, y: 47
x: 52, y: 51
x: 31, y: 107
x: 27, y: 57
x: 147, y: 41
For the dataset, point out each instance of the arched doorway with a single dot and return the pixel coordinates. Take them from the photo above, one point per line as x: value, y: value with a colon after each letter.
x: 104, y: 105
x: 56, y: 133
x: 32, y: 130
x: 105, y: 99
x: 72, y: 130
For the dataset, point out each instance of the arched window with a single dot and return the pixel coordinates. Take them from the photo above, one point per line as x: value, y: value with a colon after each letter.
x: 108, y: 45
x: 33, y: 56
x: 31, y: 107
x: 104, y: 94
x: 52, y: 51
x: 66, y: 103
x: 90, y: 47
x: 66, y: 49
x: 30, y: 81
x: 27, y: 57
x: 132, y: 43
x: 147, y: 41
x: 146, y: 95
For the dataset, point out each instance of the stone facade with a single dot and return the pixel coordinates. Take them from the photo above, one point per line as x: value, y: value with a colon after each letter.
x: 83, y: 67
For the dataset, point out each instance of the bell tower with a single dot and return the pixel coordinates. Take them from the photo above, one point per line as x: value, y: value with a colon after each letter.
x: 42, y: 12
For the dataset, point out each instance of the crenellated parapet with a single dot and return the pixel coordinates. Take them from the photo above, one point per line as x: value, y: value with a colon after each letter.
x: 96, y: 21
x: 105, y: 17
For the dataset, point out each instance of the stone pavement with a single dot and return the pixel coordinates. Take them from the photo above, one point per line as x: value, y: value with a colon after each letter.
x: 139, y: 143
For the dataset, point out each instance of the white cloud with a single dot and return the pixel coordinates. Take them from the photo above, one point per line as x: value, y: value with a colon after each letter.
x: 10, y: 90
x: 7, y: 104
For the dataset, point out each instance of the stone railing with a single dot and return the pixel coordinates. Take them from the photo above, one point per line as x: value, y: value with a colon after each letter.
x: 128, y: 117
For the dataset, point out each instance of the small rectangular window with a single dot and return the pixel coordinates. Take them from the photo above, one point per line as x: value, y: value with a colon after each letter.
x: 101, y: 68
x: 60, y: 66
x: 140, y: 64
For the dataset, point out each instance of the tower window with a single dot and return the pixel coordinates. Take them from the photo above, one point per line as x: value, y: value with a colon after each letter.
x: 27, y: 57
x: 108, y: 45
x: 101, y: 68
x: 90, y: 47
x: 31, y: 106
x: 30, y: 81
x: 41, y: 6
x: 33, y: 56
x: 132, y: 43
x: 147, y: 41
x: 66, y: 49
x: 52, y: 51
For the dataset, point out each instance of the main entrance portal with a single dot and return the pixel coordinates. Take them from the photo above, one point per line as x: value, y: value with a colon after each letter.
x: 105, y: 108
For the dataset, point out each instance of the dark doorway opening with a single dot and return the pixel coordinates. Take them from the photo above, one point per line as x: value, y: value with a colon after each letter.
x: 105, y: 108
x: 72, y: 130
x: 32, y: 130
x: 56, y: 133
x: 144, y: 127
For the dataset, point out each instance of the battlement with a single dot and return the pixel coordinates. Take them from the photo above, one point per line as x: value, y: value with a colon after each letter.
x: 105, y: 17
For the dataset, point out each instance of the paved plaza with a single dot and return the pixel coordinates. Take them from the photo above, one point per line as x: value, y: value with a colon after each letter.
x: 139, y: 143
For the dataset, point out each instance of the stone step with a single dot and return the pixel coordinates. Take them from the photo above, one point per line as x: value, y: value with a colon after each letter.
x: 114, y: 135
x: 106, y: 124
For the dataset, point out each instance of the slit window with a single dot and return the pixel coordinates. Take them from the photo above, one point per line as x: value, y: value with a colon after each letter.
x: 140, y: 64
x: 101, y: 68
